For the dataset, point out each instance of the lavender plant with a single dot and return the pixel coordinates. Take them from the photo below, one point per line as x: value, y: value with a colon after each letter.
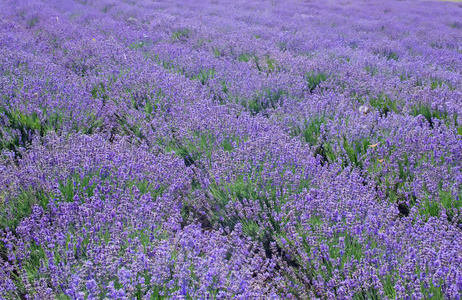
x: 230, y: 150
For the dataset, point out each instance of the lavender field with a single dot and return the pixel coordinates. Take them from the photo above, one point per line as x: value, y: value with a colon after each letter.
x: 230, y: 149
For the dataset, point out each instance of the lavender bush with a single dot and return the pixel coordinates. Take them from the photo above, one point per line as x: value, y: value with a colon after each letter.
x: 230, y: 150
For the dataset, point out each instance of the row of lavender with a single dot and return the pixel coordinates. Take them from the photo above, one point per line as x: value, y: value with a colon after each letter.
x: 217, y: 150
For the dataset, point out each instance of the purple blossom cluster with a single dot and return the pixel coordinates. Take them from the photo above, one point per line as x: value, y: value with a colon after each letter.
x: 230, y: 149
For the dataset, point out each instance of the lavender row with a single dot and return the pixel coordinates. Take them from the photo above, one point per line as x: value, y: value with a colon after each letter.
x: 157, y: 151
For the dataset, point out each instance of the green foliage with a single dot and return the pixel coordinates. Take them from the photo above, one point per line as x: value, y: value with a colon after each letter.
x: 312, y: 130
x: 20, y: 128
x: 15, y: 207
x: 457, y: 25
x: 252, y: 229
x: 383, y: 104
x: 81, y: 67
x: 77, y: 185
x: 221, y: 98
x: 91, y: 126
x: 244, y: 57
x: 330, y: 254
x: 395, y: 181
x: 325, y: 152
x: 224, y: 87
x: 403, y: 171
x: 166, y: 64
x: 201, y: 42
x: 436, y: 83
x: 392, y: 55
x: 371, y: 70
x: 452, y: 203
x: 338, y: 249
x: 355, y: 151
x: 149, y: 101
x: 99, y: 91
x: 85, y: 185
x: 32, y: 22
x: 137, y: 45
x: 352, y: 152
x: 271, y: 64
x: 253, y: 187
x: 106, y: 8
x: 429, y: 113
x: 388, y: 54
x: 436, y: 45
x: 130, y: 129
x: 204, y: 76
x: 314, y: 79
x: 217, y: 52
x: 27, y: 126
x: 181, y: 34
x: 266, y: 99
x: 404, y: 77
x: 352, y: 249
x: 282, y: 46
x: 341, y: 58
x: 198, y: 149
